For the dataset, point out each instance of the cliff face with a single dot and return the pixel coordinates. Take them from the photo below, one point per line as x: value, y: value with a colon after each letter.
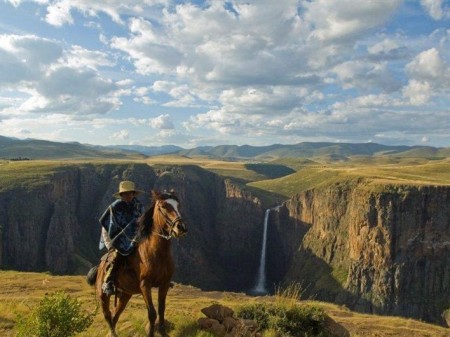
x: 380, y: 249
x: 49, y: 225
x: 53, y: 225
x: 221, y: 250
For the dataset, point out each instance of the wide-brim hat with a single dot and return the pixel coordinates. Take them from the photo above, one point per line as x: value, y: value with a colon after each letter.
x: 127, y: 186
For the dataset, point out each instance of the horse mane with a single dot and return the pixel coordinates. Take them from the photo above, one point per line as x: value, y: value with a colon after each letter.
x: 145, y: 223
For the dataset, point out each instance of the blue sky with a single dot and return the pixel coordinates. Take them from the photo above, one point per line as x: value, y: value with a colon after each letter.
x: 192, y: 73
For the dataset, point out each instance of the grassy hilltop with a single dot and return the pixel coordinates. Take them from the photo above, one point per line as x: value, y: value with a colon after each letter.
x: 20, y: 292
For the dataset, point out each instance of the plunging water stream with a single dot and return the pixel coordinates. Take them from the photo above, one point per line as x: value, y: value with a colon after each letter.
x: 260, y: 287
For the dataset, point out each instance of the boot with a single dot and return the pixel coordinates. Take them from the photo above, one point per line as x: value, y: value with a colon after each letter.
x: 108, y: 288
x: 108, y: 285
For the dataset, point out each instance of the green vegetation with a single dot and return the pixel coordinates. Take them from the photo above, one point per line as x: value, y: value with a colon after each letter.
x: 314, y: 176
x: 299, y: 320
x: 26, y: 173
x: 286, y: 316
x: 57, y: 315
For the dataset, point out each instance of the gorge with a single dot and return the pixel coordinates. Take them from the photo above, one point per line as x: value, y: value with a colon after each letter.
x: 374, y: 247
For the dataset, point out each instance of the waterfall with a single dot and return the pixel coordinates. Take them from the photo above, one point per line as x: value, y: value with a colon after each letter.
x: 260, y: 287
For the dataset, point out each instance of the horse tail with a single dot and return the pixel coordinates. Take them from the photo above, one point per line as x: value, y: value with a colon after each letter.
x: 92, y: 275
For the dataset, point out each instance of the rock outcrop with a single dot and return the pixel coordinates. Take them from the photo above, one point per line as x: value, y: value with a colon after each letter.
x: 376, y: 248
x: 220, y: 321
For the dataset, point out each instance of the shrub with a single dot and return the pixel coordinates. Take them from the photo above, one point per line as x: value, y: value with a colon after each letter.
x: 57, y: 315
x: 286, y: 321
x: 286, y: 317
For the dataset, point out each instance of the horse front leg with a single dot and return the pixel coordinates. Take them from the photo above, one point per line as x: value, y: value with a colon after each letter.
x: 107, y: 314
x: 122, y: 302
x: 146, y: 290
x: 162, y: 295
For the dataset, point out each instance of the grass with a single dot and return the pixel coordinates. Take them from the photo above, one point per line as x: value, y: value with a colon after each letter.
x: 32, y: 173
x: 313, y: 176
x: 20, y: 292
x: 232, y: 169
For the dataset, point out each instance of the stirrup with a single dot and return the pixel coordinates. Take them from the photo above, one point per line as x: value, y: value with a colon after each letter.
x: 108, y: 288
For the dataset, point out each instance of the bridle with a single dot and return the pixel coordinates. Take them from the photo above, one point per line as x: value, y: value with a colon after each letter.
x: 170, y: 223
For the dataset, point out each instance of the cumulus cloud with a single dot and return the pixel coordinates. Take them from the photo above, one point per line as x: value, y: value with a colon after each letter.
x: 435, y: 8
x: 418, y: 92
x: 79, y: 57
x: 428, y: 65
x: 59, y: 12
x: 429, y: 75
x: 54, y: 80
x: 162, y: 122
x: 343, y: 21
x: 243, y: 68
x: 25, y: 58
x: 365, y: 76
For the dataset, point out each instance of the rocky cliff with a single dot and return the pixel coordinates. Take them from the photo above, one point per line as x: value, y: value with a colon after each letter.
x: 376, y: 248
x: 52, y: 225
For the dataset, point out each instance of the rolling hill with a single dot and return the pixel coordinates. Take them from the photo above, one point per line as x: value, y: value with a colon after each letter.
x: 12, y: 148
x: 328, y: 152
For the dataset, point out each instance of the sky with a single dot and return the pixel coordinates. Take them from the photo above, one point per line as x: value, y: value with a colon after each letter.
x: 256, y: 72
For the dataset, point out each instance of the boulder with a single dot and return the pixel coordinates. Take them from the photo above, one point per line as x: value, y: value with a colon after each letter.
x: 218, y: 312
x: 219, y: 321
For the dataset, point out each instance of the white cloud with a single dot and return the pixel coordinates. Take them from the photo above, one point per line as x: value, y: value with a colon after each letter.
x: 162, y: 122
x: 121, y: 135
x: 341, y: 20
x: 428, y: 65
x: 54, y: 80
x: 418, y: 92
x: 429, y: 76
x: 434, y: 8
x: 24, y: 58
x: 78, y: 57
x: 58, y: 13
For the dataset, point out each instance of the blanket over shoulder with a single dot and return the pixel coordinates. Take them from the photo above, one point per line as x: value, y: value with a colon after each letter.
x: 120, y: 221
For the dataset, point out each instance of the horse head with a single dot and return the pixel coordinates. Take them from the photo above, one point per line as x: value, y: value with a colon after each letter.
x: 168, y: 222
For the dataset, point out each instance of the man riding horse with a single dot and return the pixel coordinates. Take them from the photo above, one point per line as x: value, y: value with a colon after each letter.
x: 149, y: 263
x: 119, y: 228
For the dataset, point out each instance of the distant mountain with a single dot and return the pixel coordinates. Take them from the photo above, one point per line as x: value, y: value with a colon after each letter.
x: 334, y: 151
x: 13, y: 148
x: 149, y: 150
x: 42, y: 149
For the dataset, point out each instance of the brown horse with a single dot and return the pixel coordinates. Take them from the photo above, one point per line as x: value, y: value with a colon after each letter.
x: 149, y: 266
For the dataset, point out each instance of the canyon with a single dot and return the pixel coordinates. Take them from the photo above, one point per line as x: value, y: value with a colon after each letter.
x: 375, y: 247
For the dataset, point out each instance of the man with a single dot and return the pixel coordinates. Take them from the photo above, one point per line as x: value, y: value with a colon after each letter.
x: 119, y: 228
